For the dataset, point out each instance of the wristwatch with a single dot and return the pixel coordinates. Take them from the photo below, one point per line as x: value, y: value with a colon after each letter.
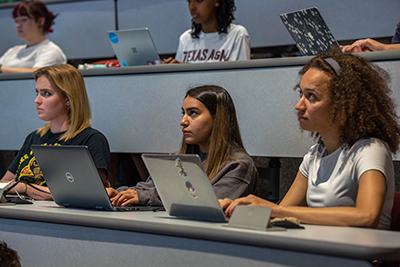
x: 0, y: 68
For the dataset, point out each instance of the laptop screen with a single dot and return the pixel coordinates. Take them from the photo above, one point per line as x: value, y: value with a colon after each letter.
x: 309, y: 30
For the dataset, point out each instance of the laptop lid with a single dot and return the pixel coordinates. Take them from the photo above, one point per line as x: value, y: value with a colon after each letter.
x: 73, y: 179
x: 134, y: 47
x: 183, y: 186
x: 309, y: 30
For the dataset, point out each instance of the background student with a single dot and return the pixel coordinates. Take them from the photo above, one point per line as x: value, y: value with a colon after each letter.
x: 62, y: 101
x: 210, y: 129
x: 213, y: 37
x: 369, y: 45
x: 347, y: 178
x: 8, y: 256
x: 33, y: 21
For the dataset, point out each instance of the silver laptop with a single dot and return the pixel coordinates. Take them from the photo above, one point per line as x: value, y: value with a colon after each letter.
x: 183, y: 186
x: 73, y: 179
x: 134, y: 47
x: 309, y: 30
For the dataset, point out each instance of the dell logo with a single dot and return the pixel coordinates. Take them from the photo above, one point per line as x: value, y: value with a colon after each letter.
x: 69, y: 177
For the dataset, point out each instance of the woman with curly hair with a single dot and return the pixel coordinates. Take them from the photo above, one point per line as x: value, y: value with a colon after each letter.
x: 347, y: 178
x: 33, y: 21
x: 213, y: 37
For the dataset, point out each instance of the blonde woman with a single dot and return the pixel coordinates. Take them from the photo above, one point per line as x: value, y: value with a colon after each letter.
x: 62, y: 101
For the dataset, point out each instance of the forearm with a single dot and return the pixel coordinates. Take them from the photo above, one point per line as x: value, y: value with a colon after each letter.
x: 391, y: 47
x: 36, y: 194
x: 5, y: 69
x: 337, y: 216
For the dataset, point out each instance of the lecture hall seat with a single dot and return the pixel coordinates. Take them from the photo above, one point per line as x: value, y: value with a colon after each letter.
x: 395, y: 225
x: 396, y: 212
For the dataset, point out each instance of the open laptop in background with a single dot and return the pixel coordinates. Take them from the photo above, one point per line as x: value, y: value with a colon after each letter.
x: 134, y: 47
x: 73, y: 179
x: 309, y: 30
x: 184, y: 187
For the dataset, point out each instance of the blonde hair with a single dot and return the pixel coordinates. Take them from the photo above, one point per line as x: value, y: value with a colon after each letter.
x: 225, y: 135
x: 70, y: 81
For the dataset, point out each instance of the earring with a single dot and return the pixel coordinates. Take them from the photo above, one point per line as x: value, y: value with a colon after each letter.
x: 68, y: 107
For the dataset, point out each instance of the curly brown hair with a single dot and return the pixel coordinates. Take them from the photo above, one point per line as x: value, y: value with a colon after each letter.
x: 361, y: 99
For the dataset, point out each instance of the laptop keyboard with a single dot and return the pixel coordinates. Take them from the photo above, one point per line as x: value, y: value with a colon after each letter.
x: 139, y: 208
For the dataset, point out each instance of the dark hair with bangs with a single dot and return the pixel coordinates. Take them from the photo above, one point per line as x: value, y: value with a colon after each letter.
x: 35, y: 9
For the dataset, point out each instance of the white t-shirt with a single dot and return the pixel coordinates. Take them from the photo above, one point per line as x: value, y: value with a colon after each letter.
x: 333, y: 179
x: 214, y: 47
x: 43, y: 54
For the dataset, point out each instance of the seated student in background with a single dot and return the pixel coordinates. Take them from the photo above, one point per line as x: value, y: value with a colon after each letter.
x: 347, y: 178
x: 33, y: 22
x: 369, y: 45
x: 62, y: 101
x: 210, y: 129
x: 213, y: 38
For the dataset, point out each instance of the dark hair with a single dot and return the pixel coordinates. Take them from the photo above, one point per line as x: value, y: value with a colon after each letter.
x: 361, y: 101
x: 35, y: 9
x: 8, y: 256
x: 225, y: 134
x: 225, y: 16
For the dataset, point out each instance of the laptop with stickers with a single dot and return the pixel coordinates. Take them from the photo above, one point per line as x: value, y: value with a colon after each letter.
x: 73, y: 179
x: 309, y: 31
x: 184, y: 187
x: 134, y: 47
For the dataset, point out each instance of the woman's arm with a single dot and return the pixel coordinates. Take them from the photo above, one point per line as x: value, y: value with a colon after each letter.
x: 296, y: 196
x: 368, y: 45
x: 144, y: 193
x: 9, y: 176
x: 5, y: 69
x: 36, y: 194
x: 366, y: 213
x: 236, y: 179
x: 22, y: 188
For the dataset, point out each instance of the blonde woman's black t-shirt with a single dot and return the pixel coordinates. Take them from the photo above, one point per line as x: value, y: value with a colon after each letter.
x: 26, y: 169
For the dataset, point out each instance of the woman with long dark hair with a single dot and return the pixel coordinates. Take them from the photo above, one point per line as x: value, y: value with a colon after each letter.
x: 210, y: 129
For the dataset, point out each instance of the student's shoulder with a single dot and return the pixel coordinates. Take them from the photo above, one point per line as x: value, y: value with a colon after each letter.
x: 234, y: 28
x: 16, y: 48
x: 49, y: 47
x: 371, y: 145
x: 241, y: 156
x: 33, y: 137
x: 89, y: 131
x: 186, y: 35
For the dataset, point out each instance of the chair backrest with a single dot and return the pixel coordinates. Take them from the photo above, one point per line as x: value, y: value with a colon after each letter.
x: 396, y: 212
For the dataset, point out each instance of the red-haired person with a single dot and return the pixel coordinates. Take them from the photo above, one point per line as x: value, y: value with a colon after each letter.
x: 33, y: 21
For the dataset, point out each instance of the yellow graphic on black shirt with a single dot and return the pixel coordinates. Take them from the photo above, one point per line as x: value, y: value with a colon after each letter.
x: 28, y: 169
x: 31, y: 173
